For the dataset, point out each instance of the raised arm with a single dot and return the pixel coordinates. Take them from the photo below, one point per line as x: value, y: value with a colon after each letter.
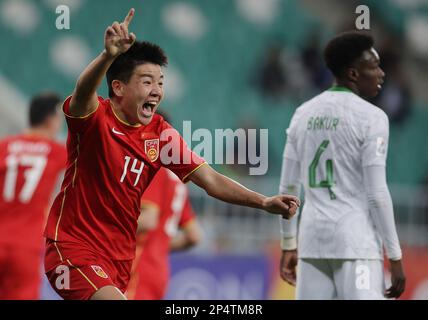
x: 117, y: 40
x: 228, y: 190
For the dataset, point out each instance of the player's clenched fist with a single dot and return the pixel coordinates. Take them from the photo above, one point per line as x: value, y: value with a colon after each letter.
x: 284, y: 205
x: 117, y: 39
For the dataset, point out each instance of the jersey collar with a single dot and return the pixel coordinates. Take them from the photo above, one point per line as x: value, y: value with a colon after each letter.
x: 339, y: 88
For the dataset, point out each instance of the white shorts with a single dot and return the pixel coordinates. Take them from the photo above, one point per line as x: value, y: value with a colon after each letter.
x: 327, y: 279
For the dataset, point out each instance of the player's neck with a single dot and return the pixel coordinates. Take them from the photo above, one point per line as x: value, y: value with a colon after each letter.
x: 41, y: 132
x: 120, y: 113
x: 347, y: 85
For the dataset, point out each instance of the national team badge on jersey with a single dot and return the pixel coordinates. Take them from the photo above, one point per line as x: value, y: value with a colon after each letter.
x: 151, y: 148
x: 99, y: 271
x: 380, y: 147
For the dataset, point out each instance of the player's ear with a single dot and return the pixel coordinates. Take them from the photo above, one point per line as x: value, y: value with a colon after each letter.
x: 352, y: 74
x: 117, y: 88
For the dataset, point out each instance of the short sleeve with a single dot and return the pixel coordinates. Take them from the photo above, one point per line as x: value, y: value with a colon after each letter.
x: 80, y: 124
x: 375, y: 145
x: 187, y: 214
x: 176, y: 155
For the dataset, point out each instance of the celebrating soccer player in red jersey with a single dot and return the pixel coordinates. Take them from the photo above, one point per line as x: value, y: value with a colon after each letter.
x: 166, y: 208
x: 29, y: 167
x: 114, y: 148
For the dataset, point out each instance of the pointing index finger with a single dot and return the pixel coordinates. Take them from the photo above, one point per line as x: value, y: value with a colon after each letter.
x: 129, y: 17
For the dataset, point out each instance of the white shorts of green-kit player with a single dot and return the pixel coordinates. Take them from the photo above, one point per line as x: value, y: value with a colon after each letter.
x: 327, y: 279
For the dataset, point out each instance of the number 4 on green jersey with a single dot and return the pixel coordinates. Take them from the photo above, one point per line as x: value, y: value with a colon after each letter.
x: 328, y: 182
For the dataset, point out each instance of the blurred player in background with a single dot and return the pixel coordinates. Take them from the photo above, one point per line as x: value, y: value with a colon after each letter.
x: 337, y: 147
x: 114, y: 150
x: 30, y: 164
x: 166, y: 224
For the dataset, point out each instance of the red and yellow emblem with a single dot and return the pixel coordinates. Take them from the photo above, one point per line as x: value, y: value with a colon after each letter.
x: 99, y: 271
x: 151, y: 147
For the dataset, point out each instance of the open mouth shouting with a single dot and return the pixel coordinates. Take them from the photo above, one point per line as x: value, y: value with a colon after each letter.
x: 147, y: 110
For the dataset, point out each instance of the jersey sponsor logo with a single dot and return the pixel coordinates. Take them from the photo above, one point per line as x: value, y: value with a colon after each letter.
x: 99, y: 271
x: 151, y: 148
x: 117, y: 132
x: 380, y: 146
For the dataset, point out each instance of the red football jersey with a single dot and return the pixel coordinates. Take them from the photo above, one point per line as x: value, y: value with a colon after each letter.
x: 149, y: 278
x: 110, y: 164
x: 29, y: 170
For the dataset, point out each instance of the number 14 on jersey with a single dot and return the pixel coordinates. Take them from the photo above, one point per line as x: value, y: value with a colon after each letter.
x: 134, y: 169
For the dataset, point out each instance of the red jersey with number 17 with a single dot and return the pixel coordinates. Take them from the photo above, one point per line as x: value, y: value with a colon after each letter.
x: 110, y: 164
x: 29, y: 170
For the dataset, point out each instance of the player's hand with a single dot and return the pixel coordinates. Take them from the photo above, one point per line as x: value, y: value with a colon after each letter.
x: 284, y: 205
x: 117, y: 39
x: 398, y: 280
x: 287, y: 266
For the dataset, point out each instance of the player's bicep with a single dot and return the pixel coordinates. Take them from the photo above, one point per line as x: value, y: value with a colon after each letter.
x: 375, y: 146
x: 80, y: 123
x: 375, y: 152
x: 290, y: 171
x: 290, y: 150
x: 204, y: 177
x: 82, y: 105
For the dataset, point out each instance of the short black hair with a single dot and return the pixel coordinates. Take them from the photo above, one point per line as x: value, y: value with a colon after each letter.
x: 139, y: 53
x: 42, y: 106
x: 343, y: 50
